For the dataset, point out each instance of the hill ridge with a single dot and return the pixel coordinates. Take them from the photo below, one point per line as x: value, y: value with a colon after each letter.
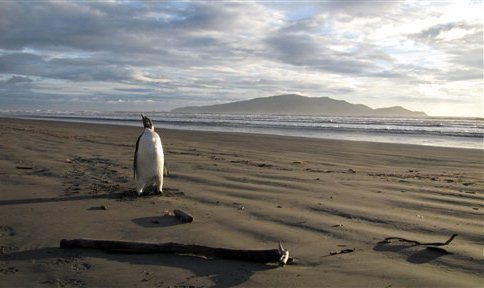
x: 295, y: 104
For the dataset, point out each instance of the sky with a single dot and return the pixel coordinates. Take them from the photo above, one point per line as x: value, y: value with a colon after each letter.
x: 156, y: 56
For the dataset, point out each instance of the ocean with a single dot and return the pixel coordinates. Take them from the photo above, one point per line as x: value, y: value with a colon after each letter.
x: 431, y: 131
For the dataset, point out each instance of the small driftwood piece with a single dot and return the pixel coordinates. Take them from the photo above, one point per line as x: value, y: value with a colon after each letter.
x: 344, y: 251
x: 280, y: 255
x: 418, y: 243
x: 24, y: 167
x: 183, y: 216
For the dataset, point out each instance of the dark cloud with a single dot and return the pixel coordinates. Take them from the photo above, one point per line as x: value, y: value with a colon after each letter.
x: 38, y: 100
x: 436, y: 33
x: 461, y: 75
x: 295, y: 49
x: 14, y: 80
x: 62, y: 68
x: 114, y: 27
x: 135, y: 90
x: 113, y: 38
x: 310, y: 51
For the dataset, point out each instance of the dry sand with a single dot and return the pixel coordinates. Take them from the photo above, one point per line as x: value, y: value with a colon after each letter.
x: 245, y: 191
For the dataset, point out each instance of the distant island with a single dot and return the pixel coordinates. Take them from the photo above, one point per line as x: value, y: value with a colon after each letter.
x: 293, y: 104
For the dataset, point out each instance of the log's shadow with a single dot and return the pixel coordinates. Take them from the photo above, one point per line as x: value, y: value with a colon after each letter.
x: 157, y: 221
x: 392, y: 247
x: 416, y: 254
x: 224, y: 273
x: 426, y: 255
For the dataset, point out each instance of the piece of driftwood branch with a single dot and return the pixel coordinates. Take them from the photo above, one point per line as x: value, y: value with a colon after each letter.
x: 183, y: 216
x: 417, y: 243
x: 280, y: 255
x: 24, y: 167
x: 343, y: 251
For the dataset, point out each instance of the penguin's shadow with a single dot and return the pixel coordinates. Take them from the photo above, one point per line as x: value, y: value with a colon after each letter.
x: 157, y: 221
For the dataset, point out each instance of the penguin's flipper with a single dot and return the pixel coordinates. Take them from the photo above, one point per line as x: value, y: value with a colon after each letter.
x: 135, y: 164
x: 166, y: 171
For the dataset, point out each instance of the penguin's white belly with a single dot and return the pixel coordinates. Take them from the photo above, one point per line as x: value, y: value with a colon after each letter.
x: 149, y: 162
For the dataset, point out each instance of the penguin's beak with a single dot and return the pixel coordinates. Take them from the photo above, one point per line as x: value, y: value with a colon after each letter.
x: 147, y: 122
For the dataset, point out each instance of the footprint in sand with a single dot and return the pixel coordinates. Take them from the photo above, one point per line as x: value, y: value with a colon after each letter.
x: 93, y: 175
x: 70, y: 283
x: 6, y: 231
x: 75, y: 263
x: 8, y: 270
x: 80, y: 267
x: 5, y: 250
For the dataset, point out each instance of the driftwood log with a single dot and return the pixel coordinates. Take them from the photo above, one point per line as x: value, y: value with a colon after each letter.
x: 280, y: 256
x: 183, y: 216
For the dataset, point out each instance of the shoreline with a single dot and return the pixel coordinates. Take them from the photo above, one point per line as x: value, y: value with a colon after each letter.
x: 106, y: 123
x: 246, y: 191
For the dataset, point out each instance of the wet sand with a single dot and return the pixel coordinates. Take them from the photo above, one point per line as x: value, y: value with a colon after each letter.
x: 320, y: 197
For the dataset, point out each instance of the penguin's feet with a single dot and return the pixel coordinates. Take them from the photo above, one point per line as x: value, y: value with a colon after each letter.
x: 158, y: 192
x: 154, y: 191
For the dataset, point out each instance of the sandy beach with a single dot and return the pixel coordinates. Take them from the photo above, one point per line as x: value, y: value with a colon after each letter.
x: 319, y: 197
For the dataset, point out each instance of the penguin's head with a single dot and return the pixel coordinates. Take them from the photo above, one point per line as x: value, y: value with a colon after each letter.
x: 147, y: 122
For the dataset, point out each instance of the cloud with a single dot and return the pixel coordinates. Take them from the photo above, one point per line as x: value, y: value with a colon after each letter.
x: 360, y: 8
x: 461, y: 43
x: 16, y: 80
x: 80, y: 69
x: 315, y: 52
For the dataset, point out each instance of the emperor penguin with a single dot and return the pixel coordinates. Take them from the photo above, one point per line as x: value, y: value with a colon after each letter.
x: 148, y: 160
